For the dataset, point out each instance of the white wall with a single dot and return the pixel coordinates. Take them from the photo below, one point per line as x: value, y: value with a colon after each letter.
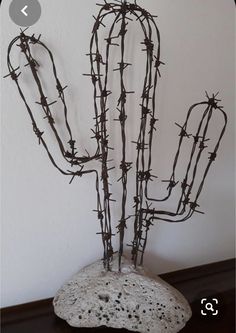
x: 48, y: 229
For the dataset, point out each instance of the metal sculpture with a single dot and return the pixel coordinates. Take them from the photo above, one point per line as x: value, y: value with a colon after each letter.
x: 144, y: 213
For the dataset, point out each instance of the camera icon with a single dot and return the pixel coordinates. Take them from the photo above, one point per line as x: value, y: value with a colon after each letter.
x: 208, y: 307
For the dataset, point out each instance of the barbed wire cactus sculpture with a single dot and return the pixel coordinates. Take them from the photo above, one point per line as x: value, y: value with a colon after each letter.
x: 145, y: 212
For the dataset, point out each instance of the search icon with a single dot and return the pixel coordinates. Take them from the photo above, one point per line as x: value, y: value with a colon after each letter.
x: 209, y: 307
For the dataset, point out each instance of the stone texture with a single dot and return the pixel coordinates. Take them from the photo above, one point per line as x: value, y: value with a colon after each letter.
x: 133, y: 299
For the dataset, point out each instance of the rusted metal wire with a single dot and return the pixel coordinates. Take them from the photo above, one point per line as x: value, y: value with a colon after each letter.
x: 144, y: 214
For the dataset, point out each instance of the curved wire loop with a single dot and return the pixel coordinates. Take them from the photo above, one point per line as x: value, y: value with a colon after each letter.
x: 144, y: 213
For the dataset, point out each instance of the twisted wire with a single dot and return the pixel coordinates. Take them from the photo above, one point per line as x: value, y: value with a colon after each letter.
x: 144, y: 214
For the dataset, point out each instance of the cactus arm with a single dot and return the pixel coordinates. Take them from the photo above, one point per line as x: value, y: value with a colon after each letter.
x: 172, y: 177
x: 25, y: 42
x: 214, y: 153
x: 72, y: 159
x: 172, y: 183
x: 149, y: 215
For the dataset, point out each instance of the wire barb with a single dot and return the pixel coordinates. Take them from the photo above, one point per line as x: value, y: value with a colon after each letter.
x: 144, y: 213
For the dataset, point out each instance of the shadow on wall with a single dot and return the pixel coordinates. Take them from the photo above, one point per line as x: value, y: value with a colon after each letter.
x: 152, y: 262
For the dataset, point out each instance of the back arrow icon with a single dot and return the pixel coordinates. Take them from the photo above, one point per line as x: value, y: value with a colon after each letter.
x: 23, y: 10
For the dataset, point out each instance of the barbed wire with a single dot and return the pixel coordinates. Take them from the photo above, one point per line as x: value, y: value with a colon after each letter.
x: 144, y: 214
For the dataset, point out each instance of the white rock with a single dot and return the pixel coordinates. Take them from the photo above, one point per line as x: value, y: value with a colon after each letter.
x: 133, y: 299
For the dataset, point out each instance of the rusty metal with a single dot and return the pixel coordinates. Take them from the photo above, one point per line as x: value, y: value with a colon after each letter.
x: 145, y: 214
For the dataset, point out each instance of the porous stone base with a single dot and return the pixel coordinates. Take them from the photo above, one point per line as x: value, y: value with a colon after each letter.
x: 133, y: 299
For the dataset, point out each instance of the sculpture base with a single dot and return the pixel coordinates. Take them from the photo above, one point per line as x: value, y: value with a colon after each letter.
x: 134, y: 299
